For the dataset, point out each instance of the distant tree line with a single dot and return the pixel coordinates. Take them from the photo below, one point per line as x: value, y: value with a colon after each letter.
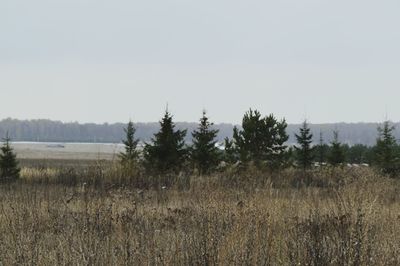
x: 43, y: 130
x: 260, y: 141
x: 56, y: 131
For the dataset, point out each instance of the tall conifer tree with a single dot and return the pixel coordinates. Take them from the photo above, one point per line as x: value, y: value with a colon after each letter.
x: 321, y: 149
x: 336, y: 156
x: 386, y: 157
x: 131, y: 154
x: 167, y: 151
x: 250, y: 140
x: 9, y: 168
x: 261, y: 139
x: 280, y: 153
x: 204, y: 152
x: 304, y: 152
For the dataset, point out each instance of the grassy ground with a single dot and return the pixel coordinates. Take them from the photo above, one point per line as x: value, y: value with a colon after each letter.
x: 327, y: 217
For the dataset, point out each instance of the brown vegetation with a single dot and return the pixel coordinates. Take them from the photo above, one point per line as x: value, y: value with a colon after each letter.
x: 102, y: 217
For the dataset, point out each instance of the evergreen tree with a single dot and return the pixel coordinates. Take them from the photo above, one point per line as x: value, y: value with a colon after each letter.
x: 249, y: 140
x: 131, y: 154
x: 280, y: 153
x: 204, y: 152
x: 386, y: 157
x: 8, y: 161
x: 321, y: 149
x: 336, y: 156
x: 304, y: 152
x: 358, y: 154
x: 261, y: 139
x: 230, y: 151
x: 167, y: 150
x: 289, y: 157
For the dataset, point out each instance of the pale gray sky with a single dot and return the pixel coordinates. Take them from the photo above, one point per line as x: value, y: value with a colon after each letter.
x: 109, y: 60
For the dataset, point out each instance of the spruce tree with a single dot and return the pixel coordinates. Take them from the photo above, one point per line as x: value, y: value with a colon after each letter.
x: 167, y: 151
x: 336, y: 156
x: 304, y: 152
x: 131, y: 154
x: 386, y: 157
x: 204, y: 152
x: 8, y: 161
x: 321, y: 149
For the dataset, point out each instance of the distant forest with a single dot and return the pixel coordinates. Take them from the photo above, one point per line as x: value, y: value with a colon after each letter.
x: 43, y: 130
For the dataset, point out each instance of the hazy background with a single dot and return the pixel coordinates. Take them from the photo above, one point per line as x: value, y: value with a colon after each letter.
x: 107, y: 61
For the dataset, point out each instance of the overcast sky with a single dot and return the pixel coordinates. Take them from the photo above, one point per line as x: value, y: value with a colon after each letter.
x: 111, y: 60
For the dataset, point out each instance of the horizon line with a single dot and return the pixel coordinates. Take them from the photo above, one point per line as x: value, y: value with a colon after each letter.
x: 190, y: 122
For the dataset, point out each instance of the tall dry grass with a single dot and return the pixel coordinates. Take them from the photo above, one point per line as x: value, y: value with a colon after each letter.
x: 324, y: 217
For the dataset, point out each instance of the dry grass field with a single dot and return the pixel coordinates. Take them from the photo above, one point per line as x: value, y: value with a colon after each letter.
x: 99, y: 215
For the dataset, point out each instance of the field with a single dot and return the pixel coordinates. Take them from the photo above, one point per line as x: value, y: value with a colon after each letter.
x: 95, y: 213
x: 69, y: 151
